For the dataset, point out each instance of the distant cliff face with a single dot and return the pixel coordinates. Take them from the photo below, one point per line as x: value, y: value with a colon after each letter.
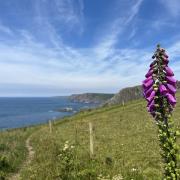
x: 90, y: 97
x: 128, y: 94
x: 125, y: 95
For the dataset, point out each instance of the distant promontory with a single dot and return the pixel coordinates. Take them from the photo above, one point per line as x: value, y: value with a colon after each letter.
x: 90, y: 97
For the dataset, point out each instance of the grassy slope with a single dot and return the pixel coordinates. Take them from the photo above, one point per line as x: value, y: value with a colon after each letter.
x: 12, y: 149
x: 125, y: 135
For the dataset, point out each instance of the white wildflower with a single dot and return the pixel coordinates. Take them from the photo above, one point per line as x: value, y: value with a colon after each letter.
x: 134, y: 169
x: 66, y: 146
x: 66, y: 142
x: 101, y: 177
x: 72, y: 146
x: 117, y: 177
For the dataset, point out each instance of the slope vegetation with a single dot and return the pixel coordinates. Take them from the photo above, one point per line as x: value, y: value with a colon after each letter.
x: 125, y: 145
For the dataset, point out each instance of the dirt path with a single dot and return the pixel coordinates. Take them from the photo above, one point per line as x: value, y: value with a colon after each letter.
x: 28, y: 160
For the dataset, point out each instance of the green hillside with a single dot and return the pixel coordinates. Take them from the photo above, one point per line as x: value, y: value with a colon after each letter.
x: 125, y: 146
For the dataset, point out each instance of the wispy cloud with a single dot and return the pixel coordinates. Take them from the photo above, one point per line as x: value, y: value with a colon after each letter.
x: 111, y: 36
x: 62, y: 66
x: 70, y: 11
x: 38, y: 57
x: 173, y: 6
x: 5, y: 29
x: 133, y: 11
x: 37, y: 65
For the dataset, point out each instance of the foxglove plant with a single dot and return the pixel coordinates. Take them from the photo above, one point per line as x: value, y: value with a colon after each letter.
x: 159, y: 90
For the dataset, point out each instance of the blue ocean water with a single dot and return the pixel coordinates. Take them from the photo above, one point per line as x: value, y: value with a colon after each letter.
x: 20, y: 112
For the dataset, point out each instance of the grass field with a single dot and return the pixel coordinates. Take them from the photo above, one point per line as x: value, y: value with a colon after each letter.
x: 125, y: 146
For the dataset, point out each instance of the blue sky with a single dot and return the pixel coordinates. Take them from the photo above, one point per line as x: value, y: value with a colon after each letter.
x: 59, y: 47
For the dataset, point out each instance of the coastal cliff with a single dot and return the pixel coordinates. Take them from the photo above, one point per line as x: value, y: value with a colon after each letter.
x: 90, y: 97
x: 129, y: 94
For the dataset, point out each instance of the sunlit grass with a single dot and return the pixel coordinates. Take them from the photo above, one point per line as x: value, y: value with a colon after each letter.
x: 125, y: 144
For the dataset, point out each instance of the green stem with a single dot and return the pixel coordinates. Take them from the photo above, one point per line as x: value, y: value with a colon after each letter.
x: 167, y: 138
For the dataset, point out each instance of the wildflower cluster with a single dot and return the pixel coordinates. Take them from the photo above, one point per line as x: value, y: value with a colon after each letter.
x: 116, y: 177
x: 160, y: 85
x: 159, y: 91
x: 67, y: 158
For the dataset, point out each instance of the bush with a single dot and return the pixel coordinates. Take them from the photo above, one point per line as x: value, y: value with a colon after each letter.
x: 72, y: 168
x: 4, y: 167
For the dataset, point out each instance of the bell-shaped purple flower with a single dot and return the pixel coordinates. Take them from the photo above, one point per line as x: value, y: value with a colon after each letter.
x: 162, y: 89
x: 165, y: 61
x: 150, y: 103
x: 147, y: 79
x: 169, y: 72
x: 148, y: 91
x: 171, y: 99
x: 152, y: 64
x: 151, y: 97
x: 148, y: 83
x: 171, y: 88
x: 150, y: 109
x: 150, y: 72
x: 144, y: 95
x: 165, y: 55
x: 171, y: 80
x: 151, y: 106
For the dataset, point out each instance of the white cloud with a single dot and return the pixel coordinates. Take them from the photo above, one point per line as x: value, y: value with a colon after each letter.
x: 71, y: 69
x: 31, y: 62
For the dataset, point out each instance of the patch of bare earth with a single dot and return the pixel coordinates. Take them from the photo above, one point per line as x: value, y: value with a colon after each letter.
x: 28, y: 160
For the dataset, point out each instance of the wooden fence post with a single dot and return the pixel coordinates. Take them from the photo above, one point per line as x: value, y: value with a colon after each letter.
x: 123, y: 102
x: 91, y: 140
x: 76, y: 134
x: 50, y: 126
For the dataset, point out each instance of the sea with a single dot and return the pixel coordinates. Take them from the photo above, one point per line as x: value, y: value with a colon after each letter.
x: 22, y: 112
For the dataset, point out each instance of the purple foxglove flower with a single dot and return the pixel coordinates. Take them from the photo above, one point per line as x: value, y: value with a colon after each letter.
x: 162, y: 89
x: 171, y: 80
x: 166, y: 55
x: 153, y: 113
x: 171, y: 88
x: 165, y: 60
x: 151, y: 97
x: 146, y: 80
x: 148, y: 84
x: 171, y: 99
x: 169, y: 72
x: 150, y: 103
x: 151, y: 65
x: 148, y: 92
x: 150, y: 72
x: 144, y: 95
x: 151, y: 108
x: 148, y: 109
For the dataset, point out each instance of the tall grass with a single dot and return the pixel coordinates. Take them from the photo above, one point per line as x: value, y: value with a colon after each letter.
x: 12, y: 150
